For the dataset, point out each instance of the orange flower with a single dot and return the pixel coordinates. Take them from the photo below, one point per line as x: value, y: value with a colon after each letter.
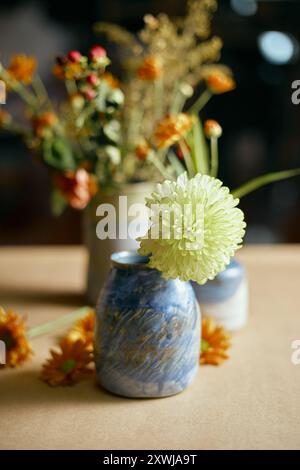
x: 44, y: 122
x: 142, y: 150
x: 214, y: 343
x: 220, y: 82
x: 112, y: 81
x: 83, y: 331
x: 151, y: 69
x: 172, y: 129
x: 67, y: 71
x: 13, y: 334
x: 5, y: 118
x: 22, y: 68
x: 70, y: 365
x: 78, y: 187
x: 212, y: 129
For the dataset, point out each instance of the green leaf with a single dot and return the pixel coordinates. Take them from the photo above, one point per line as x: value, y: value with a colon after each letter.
x: 58, y: 154
x: 58, y: 203
x: 197, y: 143
x: 260, y: 181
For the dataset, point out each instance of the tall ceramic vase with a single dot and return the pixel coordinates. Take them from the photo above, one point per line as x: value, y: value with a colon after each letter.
x: 99, y: 251
x: 147, y: 336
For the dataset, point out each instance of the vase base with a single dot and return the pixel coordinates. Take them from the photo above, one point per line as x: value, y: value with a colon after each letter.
x: 134, y: 389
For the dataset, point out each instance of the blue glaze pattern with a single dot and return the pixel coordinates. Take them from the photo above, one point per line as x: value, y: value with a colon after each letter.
x: 147, y: 336
x: 223, y: 286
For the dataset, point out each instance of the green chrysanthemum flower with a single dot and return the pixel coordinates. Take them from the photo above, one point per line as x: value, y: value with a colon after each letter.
x: 195, y: 228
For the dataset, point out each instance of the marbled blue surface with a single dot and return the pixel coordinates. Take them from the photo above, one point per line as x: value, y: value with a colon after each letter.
x: 223, y: 286
x: 147, y: 336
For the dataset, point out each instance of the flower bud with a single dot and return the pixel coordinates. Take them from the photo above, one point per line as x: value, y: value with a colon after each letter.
x: 97, y: 52
x: 212, y: 129
x: 92, y: 79
x: 74, y: 56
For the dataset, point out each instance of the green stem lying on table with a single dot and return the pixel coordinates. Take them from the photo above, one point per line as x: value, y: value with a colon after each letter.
x: 60, y: 322
x: 263, y: 180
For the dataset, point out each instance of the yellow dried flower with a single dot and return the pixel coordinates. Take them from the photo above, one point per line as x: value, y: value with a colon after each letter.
x: 112, y: 81
x: 43, y: 123
x: 68, y: 71
x: 171, y: 129
x: 69, y: 365
x: 22, y: 68
x: 220, y: 82
x: 5, y: 118
x: 151, y: 69
x: 214, y: 343
x: 142, y: 150
x: 13, y: 334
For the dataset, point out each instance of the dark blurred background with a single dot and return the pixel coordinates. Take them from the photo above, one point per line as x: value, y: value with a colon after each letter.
x: 261, y: 125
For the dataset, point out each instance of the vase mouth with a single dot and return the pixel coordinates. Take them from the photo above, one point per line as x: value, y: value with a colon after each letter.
x: 129, y: 259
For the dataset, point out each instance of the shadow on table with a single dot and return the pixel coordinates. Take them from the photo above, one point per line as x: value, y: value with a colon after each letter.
x: 25, y: 388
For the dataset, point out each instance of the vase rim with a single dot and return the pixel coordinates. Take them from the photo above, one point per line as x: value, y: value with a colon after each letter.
x: 129, y: 259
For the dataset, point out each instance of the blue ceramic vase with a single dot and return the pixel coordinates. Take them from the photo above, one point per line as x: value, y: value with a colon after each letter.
x: 226, y: 297
x: 147, y: 334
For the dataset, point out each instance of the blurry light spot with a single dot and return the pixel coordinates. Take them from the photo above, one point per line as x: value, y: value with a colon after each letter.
x: 244, y: 7
x: 277, y: 47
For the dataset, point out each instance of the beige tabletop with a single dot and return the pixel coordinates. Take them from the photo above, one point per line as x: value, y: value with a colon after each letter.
x: 250, y: 402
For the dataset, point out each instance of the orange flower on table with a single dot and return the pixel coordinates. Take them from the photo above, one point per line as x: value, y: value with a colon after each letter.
x: 43, y: 122
x: 214, y: 343
x: 78, y: 187
x: 151, y: 69
x: 172, y: 129
x: 22, y: 68
x: 83, y: 331
x: 112, y: 81
x: 69, y: 365
x: 5, y: 118
x: 13, y: 334
x: 142, y: 150
x: 212, y: 129
x: 219, y: 82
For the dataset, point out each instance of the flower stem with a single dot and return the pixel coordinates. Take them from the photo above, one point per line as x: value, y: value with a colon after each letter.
x: 214, y: 157
x: 200, y: 102
x: 158, y: 98
x: 187, y: 158
x: 71, y: 87
x: 60, y: 322
x: 260, y: 181
x: 40, y: 90
x: 152, y: 158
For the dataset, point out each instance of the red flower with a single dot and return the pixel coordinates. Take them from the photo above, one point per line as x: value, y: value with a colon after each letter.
x: 74, y: 56
x: 78, y: 187
x: 92, y: 79
x: 89, y: 93
x: 97, y: 52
